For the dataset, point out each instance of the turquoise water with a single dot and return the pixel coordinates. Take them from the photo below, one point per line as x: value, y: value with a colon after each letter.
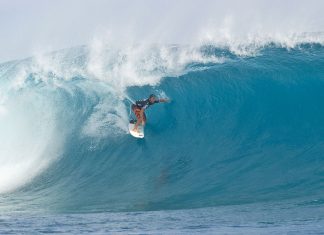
x: 239, y: 149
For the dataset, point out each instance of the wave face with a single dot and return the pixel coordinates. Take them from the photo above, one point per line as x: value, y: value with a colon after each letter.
x: 239, y: 129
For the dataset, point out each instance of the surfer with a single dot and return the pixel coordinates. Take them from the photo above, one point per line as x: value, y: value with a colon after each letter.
x: 141, y: 105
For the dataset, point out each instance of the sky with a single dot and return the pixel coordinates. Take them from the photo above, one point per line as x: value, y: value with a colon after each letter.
x: 33, y: 26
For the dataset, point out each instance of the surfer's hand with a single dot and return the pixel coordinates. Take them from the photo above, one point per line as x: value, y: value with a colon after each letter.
x: 165, y: 100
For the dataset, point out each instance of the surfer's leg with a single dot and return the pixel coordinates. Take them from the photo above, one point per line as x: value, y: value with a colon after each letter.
x: 135, y: 111
x: 138, y: 117
x: 138, y: 122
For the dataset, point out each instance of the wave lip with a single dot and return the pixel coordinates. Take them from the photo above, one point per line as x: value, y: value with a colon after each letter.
x: 250, y: 44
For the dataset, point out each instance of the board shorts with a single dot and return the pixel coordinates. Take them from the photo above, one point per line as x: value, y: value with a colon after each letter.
x: 137, y: 111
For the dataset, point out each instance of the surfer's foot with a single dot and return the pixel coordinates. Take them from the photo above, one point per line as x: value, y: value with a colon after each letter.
x: 135, y: 130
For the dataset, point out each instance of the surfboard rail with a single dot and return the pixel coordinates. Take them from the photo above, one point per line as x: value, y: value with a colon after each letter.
x: 140, y: 133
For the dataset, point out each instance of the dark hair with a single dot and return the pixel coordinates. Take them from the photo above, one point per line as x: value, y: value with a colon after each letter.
x: 152, y: 96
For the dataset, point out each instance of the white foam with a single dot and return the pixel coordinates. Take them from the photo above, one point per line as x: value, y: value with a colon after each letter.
x: 141, y: 64
x: 3, y: 109
x: 244, y: 32
x: 29, y: 141
x: 109, y: 118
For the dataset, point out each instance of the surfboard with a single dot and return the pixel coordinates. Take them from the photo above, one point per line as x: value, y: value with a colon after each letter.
x: 140, y: 133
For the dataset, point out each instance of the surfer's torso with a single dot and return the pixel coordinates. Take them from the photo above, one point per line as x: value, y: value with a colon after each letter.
x: 144, y: 104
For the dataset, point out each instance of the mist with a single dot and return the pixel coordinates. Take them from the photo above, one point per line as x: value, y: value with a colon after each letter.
x: 29, y: 27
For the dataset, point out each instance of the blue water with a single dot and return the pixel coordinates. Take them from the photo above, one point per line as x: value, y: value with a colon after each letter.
x: 239, y: 149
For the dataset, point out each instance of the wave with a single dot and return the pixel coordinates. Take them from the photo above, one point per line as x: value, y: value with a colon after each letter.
x: 240, y: 127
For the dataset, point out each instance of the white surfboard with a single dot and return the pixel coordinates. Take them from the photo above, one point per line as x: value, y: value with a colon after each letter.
x: 140, y: 128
